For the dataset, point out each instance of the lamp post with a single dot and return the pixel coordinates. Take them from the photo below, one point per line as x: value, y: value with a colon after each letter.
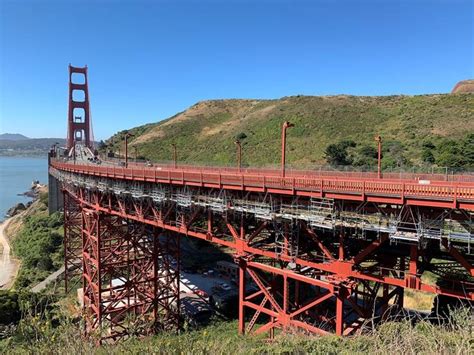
x: 239, y: 154
x: 378, y: 139
x: 175, y: 155
x: 286, y: 125
x: 127, y: 135
x: 136, y: 153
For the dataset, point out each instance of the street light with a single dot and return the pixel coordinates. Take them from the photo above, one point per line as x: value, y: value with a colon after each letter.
x: 239, y: 154
x: 378, y: 139
x: 175, y: 155
x: 286, y: 125
x: 127, y: 135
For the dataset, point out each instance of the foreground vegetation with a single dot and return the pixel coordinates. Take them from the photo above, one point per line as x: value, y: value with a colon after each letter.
x: 37, y: 335
x: 416, y: 131
x: 38, y: 244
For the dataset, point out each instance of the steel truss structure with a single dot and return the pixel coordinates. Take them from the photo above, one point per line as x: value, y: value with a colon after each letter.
x: 320, y: 266
x: 72, y: 242
x: 130, y: 272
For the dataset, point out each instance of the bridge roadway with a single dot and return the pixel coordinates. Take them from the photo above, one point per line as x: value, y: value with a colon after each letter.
x: 408, y: 189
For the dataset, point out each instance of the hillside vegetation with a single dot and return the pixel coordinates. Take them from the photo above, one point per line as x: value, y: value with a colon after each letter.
x: 36, y: 240
x: 37, y: 335
x: 409, y: 125
x: 13, y: 145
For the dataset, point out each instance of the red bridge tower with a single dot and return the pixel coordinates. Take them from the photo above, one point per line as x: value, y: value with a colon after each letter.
x: 79, y: 125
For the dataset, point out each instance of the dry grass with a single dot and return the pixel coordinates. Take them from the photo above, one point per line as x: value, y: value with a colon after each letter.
x: 222, y: 338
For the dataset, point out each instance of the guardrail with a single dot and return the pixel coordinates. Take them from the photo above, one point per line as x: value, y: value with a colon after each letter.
x: 449, y: 193
x: 315, y: 171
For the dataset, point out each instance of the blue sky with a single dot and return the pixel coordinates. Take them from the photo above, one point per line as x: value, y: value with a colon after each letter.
x: 151, y: 59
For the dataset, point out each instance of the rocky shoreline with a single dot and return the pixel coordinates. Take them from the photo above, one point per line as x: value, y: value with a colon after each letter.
x: 32, y: 193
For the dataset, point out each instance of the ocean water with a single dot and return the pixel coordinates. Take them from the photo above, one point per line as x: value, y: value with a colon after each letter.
x: 16, y: 175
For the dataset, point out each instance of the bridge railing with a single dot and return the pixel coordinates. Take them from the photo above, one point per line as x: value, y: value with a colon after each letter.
x: 322, y: 184
x: 344, y: 172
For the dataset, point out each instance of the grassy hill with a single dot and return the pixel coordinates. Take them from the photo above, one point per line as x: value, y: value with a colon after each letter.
x: 205, y: 132
x: 27, y: 146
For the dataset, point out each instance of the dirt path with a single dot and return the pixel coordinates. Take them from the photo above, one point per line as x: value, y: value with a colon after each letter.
x: 8, y: 265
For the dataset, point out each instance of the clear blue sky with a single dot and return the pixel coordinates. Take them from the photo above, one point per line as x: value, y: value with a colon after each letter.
x: 151, y: 59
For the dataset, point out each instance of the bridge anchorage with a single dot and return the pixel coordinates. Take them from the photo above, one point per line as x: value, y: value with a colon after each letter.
x: 317, y: 253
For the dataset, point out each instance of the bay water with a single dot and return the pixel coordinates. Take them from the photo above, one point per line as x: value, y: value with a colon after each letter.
x: 16, y: 176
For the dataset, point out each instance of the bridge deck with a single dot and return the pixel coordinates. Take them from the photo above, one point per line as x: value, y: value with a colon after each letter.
x: 426, y: 192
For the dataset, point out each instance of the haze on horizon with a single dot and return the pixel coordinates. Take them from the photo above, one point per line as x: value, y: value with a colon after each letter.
x: 150, y: 60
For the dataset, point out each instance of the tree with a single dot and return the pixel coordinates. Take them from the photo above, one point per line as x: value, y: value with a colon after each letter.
x: 427, y: 152
x: 449, y: 154
x: 9, y: 307
x: 336, y: 154
x: 395, y: 156
x: 241, y: 136
x: 468, y: 150
x: 366, y: 156
x: 427, y: 156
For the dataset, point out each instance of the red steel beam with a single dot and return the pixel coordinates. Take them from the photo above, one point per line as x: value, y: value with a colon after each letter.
x: 342, y: 268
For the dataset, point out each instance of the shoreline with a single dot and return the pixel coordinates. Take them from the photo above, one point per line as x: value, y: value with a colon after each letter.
x: 9, y: 265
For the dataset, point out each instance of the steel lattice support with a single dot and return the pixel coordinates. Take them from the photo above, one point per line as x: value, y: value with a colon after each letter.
x: 167, y: 296
x: 306, y: 279
x: 72, y: 240
x: 130, y: 277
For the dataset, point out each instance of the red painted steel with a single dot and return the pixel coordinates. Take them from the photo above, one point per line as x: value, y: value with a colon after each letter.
x: 436, y: 194
x: 130, y: 285
x: 285, y: 297
x: 72, y: 242
x: 79, y: 127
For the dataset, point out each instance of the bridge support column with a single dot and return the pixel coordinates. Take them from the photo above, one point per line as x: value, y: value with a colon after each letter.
x: 130, y: 277
x: 242, y: 288
x: 72, y: 242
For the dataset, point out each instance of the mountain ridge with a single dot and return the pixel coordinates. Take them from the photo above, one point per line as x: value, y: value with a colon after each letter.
x: 13, y: 137
x: 206, y: 131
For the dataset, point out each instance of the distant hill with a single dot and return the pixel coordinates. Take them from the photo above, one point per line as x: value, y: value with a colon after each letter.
x: 26, y: 146
x: 12, y: 137
x: 464, y: 86
x: 410, y: 126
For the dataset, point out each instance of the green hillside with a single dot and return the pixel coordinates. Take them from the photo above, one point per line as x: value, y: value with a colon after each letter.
x: 412, y: 128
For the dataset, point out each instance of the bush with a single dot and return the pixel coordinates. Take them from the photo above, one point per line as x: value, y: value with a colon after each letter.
x: 9, y: 307
x: 336, y: 154
x: 39, y: 246
x: 43, y: 197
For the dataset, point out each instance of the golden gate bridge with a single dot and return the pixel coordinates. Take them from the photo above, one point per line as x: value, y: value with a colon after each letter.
x: 327, y: 252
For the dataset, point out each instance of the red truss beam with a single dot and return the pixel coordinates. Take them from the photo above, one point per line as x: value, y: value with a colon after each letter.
x: 458, y: 256
x: 331, y: 305
x: 153, y: 215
